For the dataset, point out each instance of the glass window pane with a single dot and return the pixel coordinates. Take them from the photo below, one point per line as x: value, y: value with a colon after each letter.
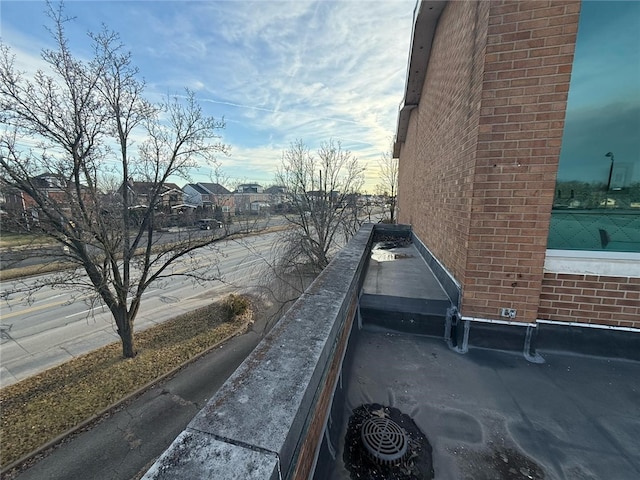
x: 597, y: 197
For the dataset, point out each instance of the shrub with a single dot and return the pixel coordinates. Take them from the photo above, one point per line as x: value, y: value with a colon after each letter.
x: 235, y: 305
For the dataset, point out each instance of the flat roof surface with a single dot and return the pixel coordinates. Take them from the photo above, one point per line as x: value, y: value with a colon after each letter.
x: 490, y: 414
x: 400, y: 271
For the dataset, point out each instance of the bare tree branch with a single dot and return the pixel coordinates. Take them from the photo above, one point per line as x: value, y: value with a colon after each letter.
x: 321, y: 194
x: 69, y: 132
x: 388, y: 186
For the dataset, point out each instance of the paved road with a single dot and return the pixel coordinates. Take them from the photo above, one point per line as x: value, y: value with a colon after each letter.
x: 58, y: 326
x: 128, y: 441
x: 19, y: 257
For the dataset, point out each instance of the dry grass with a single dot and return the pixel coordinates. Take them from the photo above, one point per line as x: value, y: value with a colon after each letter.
x: 41, y: 269
x: 40, y: 408
x: 10, y: 239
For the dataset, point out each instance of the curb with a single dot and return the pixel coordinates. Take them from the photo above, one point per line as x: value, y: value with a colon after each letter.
x: 84, y: 424
x: 23, y: 248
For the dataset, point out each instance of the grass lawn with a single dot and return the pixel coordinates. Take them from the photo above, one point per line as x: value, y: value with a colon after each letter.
x: 10, y: 239
x: 42, y: 269
x: 40, y: 408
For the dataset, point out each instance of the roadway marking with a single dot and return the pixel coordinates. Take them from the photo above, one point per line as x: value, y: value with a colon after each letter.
x: 38, y: 308
x: 104, y: 306
x: 51, y: 298
x: 33, y: 309
x: 85, y: 311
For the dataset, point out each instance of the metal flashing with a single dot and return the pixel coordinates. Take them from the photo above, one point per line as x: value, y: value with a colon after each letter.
x: 425, y: 15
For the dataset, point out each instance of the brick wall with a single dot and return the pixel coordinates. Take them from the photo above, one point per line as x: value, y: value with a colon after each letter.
x: 528, y: 61
x: 477, y: 172
x: 437, y: 160
x: 591, y: 299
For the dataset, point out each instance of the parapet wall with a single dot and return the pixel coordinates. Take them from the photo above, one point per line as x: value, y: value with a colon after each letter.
x: 267, y: 420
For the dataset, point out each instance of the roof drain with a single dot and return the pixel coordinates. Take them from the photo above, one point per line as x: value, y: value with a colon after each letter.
x: 382, y: 443
x: 384, y: 440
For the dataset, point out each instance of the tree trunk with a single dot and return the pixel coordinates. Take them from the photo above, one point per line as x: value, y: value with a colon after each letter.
x: 125, y: 331
x: 128, y: 348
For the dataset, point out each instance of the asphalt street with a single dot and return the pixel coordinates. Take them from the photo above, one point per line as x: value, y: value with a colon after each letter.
x: 123, y: 444
x: 57, y: 325
x: 20, y: 258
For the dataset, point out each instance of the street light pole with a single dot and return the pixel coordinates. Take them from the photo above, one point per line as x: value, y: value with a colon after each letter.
x: 610, y: 155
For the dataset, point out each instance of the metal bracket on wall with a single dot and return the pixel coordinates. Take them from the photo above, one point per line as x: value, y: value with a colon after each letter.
x: 530, y: 346
x: 456, y: 331
x: 452, y: 313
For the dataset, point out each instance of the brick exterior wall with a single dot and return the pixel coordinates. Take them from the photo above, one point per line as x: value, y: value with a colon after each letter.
x: 437, y: 161
x: 591, y: 299
x: 478, y: 169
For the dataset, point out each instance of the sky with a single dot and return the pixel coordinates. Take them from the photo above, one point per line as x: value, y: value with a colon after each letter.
x: 603, y: 108
x: 277, y: 71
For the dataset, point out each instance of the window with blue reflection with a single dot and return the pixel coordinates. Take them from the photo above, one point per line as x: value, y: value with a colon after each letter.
x: 597, y: 197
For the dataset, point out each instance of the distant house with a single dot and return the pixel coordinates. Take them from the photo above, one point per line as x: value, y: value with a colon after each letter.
x: 168, y: 195
x: 215, y: 189
x: 250, y: 198
x: 209, y: 196
x: 13, y: 207
x: 54, y: 187
x: 196, y: 195
x: 258, y: 206
x: 249, y: 188
x: 10, y: 199
x: 276, y: 190
x: 317, y: 198
x: 20, y: 206
x: 278, y: 197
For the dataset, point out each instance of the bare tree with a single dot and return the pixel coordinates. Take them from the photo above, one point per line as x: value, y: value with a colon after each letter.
x: 69, y: 131
x: 388, y: 186
x: 321, y: 191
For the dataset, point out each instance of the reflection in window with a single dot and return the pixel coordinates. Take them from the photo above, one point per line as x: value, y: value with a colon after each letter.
x: 597, y: 197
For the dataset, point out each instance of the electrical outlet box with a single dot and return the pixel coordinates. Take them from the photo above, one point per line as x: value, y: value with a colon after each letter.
x: 508, y: 312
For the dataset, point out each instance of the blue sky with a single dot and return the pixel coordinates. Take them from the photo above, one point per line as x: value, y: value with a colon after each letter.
x: 276, y: 71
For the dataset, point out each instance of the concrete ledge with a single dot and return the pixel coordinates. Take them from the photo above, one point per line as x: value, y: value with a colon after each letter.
x: 199, y: 455
x: 418, y: 306
x: 266, y: 405
x: 409, y: 315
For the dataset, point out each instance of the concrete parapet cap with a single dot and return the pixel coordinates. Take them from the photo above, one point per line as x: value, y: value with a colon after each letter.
x: 199, y: 455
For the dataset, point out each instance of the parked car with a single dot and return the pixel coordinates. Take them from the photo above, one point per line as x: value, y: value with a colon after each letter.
x: 209, y: 223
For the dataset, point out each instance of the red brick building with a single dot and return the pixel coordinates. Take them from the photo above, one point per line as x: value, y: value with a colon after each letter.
x: 492, y: 177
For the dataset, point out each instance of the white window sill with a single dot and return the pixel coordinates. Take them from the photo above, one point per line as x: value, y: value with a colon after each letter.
x: 615, y: 264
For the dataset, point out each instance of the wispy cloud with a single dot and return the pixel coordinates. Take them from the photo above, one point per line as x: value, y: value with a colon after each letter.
x: 276, y: 70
